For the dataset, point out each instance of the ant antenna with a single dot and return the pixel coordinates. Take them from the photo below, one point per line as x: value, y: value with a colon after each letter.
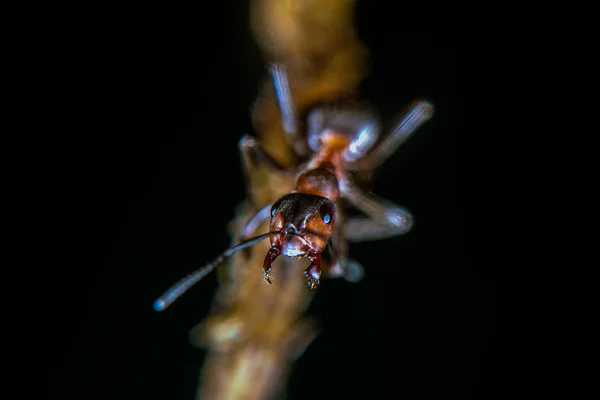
x: 175, y: 291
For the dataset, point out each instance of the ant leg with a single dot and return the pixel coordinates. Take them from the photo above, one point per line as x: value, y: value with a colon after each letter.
x: 384, y: 218
x: 340, y: 264
x: 286, y: 107
x: 344, y: 267
x: 284, y: 98
x: 354, y: 271
x: 253, y: 155
x: 257, y: 219
x: 418, y: 113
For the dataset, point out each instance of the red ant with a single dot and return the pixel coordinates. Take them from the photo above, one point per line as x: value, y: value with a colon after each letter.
x: 340, y: 138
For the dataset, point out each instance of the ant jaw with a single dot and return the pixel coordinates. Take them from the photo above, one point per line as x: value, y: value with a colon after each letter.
x: 267, y: 278
x: 273, y: 253
x: 313, y: 272
x: 312, y: 279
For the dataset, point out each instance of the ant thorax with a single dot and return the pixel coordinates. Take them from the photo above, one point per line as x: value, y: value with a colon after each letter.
x: 353, y: 126
x: 338, y: 133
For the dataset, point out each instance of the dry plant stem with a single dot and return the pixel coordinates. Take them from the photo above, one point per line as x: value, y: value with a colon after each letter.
x: 256, y: 330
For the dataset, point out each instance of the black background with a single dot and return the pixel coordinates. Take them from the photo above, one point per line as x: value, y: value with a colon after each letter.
x: 144, y: 175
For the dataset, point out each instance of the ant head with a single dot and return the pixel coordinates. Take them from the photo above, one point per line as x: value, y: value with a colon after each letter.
x: 302, y: 224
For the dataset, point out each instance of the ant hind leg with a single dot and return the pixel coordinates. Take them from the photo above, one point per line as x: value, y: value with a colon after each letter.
x: 419, y: 112
x: 383, y: 218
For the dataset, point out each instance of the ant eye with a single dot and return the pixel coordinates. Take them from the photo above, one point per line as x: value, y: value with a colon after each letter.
x: 326, y: 214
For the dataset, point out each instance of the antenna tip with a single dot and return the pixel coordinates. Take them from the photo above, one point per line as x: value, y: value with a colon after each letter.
x: 159, y: 305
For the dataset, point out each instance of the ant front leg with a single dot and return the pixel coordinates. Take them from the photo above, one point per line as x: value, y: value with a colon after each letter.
x: 284, y: 98
x: 257, y: 220
x: 384, y: 218
x: 341, y: 266
x: 287, y: 108
x: 253, y: 155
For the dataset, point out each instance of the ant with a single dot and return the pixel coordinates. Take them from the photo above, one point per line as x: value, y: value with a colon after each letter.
x: 340, y: 139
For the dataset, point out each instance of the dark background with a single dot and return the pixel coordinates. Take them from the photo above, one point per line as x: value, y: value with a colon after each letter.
x: 144, y: 176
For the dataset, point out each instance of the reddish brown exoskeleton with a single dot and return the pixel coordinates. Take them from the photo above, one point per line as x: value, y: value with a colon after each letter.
x: 341, y: 138
x: 302, y: 224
